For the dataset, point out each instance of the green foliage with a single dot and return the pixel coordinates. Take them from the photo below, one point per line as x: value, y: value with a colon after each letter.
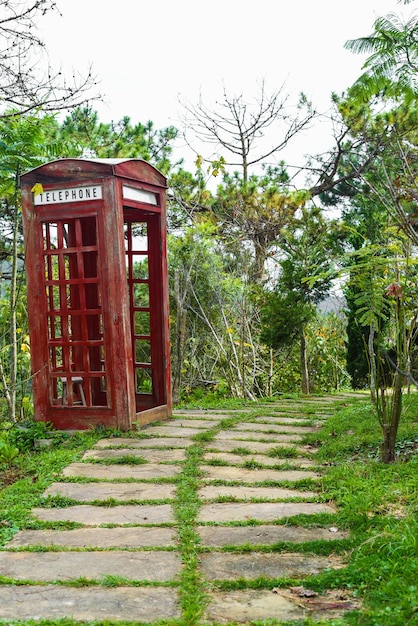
x: 37, y: 470
x: 287, y: 310
x: 211, y: 319
x: 378, y: 504
x: 326, y: 337
x: 87, y: 136
x: 251, y: 214
x: 21, y: 385
x: 8, y: 452
x: 326, y: 358
x: 392, y: 64
x: 26, y: 434
x: 283, y: 318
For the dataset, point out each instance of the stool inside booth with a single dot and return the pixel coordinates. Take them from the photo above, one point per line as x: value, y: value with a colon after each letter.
x: 96, y: 264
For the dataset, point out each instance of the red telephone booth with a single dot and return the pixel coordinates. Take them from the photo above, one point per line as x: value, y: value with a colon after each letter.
x: 95, y: 237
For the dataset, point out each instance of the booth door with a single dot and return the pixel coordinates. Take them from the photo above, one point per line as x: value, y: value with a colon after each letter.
x: 77, y: 364
x: 143, y: 267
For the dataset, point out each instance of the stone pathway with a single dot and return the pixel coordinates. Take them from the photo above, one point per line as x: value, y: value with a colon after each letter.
x: 123, y: 559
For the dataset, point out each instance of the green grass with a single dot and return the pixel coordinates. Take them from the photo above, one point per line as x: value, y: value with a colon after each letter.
x: 378, y: 503
x: 37, y: 470
x: 186, y: 507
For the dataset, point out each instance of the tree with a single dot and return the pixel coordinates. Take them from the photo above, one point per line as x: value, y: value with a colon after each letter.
x: 87, y: 136
x: 385, y: 275
x: 392, y: 65
x: 238, y: 128
x: 28, y: 83
x: 254, y: 201
x: 292, y: 305
x: 251, y: 208
x: 212, y: 344
x: 380, y: 217
x: 22, y: 141
x: 251, y: 217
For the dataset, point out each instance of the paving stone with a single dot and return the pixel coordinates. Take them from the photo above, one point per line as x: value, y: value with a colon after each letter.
x: 223, y: 472
x: 207, y: 413
x: 154, y: 456
x: 218, y: 536
x: 88, y: 603
x: 263, y: 511
x: 292, y: 411
x: 281, y: 419
x: 244, y: 435
x: 172, y: 431
x: 251, y: 605
x: 132, y: 537
x: 87, y: 492
x: 228, y: 445
x: 50, y: 566
x: 112, y: 472
x: 243, y: 492
x: 95, y: 515
x: 274, y: 428
x: 150, y: 442
x: 191, y: 422
x: 238, y: 459
x: 228, y: 566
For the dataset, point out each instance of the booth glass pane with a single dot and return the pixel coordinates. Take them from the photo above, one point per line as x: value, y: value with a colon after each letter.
x: 92, y: 296
x: 141, y: 323
x: 51, y: 267
x: 50, y: 236
x: 55, y: 355
x: 142, y: 351
x: 54, y: 327
x: 140, y: 237
x: 54, y: 299
x: 143, y: 380
x: 90, y: 264
x: 136, y: 236
x: 139, y: 267
x: 140, y: 295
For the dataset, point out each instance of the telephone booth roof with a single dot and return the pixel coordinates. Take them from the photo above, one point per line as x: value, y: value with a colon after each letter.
x: 80, y: 168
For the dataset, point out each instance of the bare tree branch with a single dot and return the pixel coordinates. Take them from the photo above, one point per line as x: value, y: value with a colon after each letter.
x: 238, y: 127
x: 27, y: 80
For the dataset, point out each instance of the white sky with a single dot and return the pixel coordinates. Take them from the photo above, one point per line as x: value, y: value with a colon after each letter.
x: 148, y: 54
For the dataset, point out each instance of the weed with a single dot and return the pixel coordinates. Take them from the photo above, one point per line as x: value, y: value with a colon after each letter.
x: 241, y: 451
x: 203, y: 437
x: 125, y: 459
x: 283, y: 453
x: 252, y: 464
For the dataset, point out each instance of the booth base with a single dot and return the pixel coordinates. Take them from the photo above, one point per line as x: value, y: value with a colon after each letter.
x: 155, y: 414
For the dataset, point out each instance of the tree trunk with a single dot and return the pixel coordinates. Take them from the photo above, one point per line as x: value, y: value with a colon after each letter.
x: 13, y: 322
x: 180, y: 343
x: 373, y: 366
x: 9, y: 379
x: 270, y: 374
x: 390, y: 428
x: 257, y: 271
x: 304, y: 365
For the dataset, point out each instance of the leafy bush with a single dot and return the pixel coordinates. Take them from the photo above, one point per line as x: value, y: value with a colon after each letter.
x: 25, y: 435
x: 8, y: 452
